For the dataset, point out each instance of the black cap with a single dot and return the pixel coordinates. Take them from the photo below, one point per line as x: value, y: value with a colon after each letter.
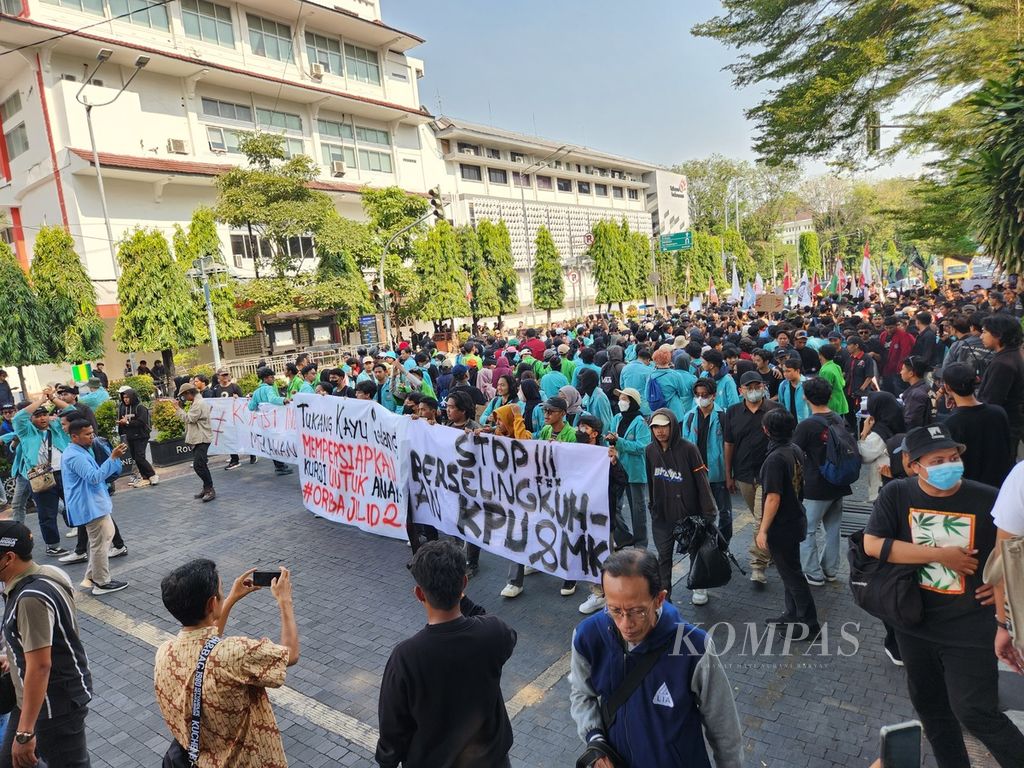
x: 922, y: 440
x: 555, y: 404
x: 751, y: 377
x: 17, y: 538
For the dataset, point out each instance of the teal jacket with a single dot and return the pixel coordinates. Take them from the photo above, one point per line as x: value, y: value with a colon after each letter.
x: 632, y: 447
x: 580, y: 365
x: 31, y: 440
x: 635, y: 375
x: 715, y: 459
x: 94, y: 400
x: 727, y: 395
x: 786, y: 395
x: 496, y: 402
x: 551, y: 382
x: 265, y: 393
x: 677, y: 387
x: 598, y: 404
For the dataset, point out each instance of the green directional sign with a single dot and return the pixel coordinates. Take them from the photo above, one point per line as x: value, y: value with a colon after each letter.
x: 680, y: 241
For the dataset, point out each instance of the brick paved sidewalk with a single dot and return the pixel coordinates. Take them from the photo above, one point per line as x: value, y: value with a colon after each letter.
x: 353, y: 601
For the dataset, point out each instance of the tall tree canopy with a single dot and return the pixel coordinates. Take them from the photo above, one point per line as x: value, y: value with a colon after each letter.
x: 496, y: 251
x: 483, y: 301
x: 548, y: 287
x: 443, y: 280
x: 21, y: 317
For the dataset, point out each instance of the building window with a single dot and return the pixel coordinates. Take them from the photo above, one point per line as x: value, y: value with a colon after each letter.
x: 633, y: 195
x: 145, y: 13
x: 543, y: 182
x: 362, y: 64
x: 373, y: 136
x: 468, y: 149
x: 324, y: 51
x: 17, y: 141
x: 520, y: 179
x: 601, y: 190
x: 375, y: 161
x: 335, y: 129
x: 332, y: 153
x: 517, y: 157
x: 564, y: 185
x: 208, y: 22
x: 617, y: 193
x: 244, y: 247
x: 494, y: 154
x: 10, y: 106
x: 269, y: 118
x: 470, y: 172
x: 583, y: 187
x: 270, y: 39
x: 89, y: 6
x: 227, y: 111
x: 293, y: 147
x: 13, y: 7
x: 497, y: 176
x: 224, y: 140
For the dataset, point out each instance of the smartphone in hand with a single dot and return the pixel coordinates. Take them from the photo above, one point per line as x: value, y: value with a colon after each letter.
x: 901, y: 745
x: 263, y: 578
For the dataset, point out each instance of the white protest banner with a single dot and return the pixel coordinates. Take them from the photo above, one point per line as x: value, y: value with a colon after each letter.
x: 542, y: 504
x: 349, y: 467
x: 271, y: 431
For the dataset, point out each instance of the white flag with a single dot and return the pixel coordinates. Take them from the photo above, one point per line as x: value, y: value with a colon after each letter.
x: 734, y: 294
x: 803, y: 291
x: 758, y: 285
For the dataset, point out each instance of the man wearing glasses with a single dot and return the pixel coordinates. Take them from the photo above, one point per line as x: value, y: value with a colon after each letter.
x: 683, y: 699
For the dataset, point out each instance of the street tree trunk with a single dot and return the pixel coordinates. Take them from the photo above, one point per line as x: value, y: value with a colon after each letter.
x: 21, y: 378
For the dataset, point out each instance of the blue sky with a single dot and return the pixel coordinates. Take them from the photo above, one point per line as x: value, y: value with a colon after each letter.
x: 624, y: 76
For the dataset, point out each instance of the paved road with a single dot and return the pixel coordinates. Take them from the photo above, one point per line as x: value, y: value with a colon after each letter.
x: 353, y: 600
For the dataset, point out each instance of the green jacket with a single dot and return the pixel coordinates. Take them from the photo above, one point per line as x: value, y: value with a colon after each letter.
x: 567, y: 435
x: 833, y: 374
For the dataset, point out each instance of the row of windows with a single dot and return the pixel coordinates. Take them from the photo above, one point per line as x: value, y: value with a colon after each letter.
x: 500, y: 176
x: 10, y: 106
x: 145, y: 13
x: 244, y: 247
x: 17, y: 141
x: 466, y: 148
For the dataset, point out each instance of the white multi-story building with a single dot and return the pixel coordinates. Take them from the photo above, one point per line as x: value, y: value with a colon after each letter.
x: 789, y: 231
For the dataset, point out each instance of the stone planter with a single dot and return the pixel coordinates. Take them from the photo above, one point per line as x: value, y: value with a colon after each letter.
x: 170, y: 453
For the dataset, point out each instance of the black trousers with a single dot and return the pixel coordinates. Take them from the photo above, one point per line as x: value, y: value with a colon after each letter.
x: 82, y: 545
x: 785, y: 552
x: 950, y: 687
x: 665, y: 544
x: 137, y: 448
x: 201, y: 463
x: 60, y: 741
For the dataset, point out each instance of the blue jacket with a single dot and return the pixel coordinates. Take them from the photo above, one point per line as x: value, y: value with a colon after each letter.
x: 786, y: 395
x: 677, y: 387
x: 30, y: 440
x: 663, y: 724
x: 727, y: 394
x: 632, y: 447
x: 264, y: 393
x: 715, y: 459
x: 580, y: 365
x: 551, y: 382
x: 86, y: 497
x: 635, y: 375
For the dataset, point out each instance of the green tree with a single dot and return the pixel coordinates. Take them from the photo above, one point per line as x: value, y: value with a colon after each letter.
x: 548, y: 288
x: 158, y: 312
x: 21, y: 318
x: 705, y: 263
x: 496, y: 245
x: 708, y: 181
x: 733, y: 243
x: 442, y: 278
x: 609, y: 256
x: 389, y: 210
x: 199, y: 240
x: 484, y: 301
x: 72, y: 328
x: 810, y: 254
x: 272, y: 197
x: 339, y: 286
x: 640, y: 246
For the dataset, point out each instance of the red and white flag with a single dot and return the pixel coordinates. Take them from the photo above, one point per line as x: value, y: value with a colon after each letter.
x: 787, y: 279
x: 866, y: 278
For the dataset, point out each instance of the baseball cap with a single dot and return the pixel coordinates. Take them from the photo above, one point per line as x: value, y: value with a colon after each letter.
x: 223, y: 372
x: 459, y: 371
x: 7, y: 407
x: 923, y: 440
x: 550, y: 353
x: 555, y: 404
x: 661, y: 420
x: 630, y: 392
x: 17, y: 538
x: 751, y: 377
x: 801, y: 335
x: 40, y: 411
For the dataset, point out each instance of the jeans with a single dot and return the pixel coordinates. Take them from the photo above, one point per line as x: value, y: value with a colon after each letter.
x: 785, y: 551
x: 201, y: 464
x: 759, y: 558
x: 950, y: 687
x: 819, y: 561
x: 60, y: 741
x: 47, y: 510
x: 723, y: 500
x: 22, y: 490
x: 137, y: 448
x: 636, y: 534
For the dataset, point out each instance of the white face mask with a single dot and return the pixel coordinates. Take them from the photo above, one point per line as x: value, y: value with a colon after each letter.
x: 754, y: 395
x: 704, y: 402
x: 624, y: 405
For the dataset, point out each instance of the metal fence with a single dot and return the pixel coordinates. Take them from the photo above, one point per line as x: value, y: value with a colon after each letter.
x: 322, y: 357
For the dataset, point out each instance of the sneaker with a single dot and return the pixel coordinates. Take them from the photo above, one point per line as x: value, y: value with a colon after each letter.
x: 72, y: 533
x: 568, y: 589
x: 154, y: 480
x: 142, y: 484
x: 528, y: 570
x: 814, y: 581
x: 199, y: 495
x: 117, y: 551
x: 86, y: 584
x: 592, y: 604
x: 110, y: 586
x: 233, y: 465
x: 757, y: 576
x: 253, y: 459
x: 894, y: 657
x: 699, y: 597
x: 511, y: 590
x: 74, y: 557
x: 210, y: 495
x: 56, y: 551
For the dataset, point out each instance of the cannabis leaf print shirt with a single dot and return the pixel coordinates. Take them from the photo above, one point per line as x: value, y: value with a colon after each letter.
x: 906, y: 513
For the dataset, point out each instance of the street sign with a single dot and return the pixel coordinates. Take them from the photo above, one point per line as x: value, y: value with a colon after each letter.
x: 679, y: 241
x: 574, y: 276
x: 368, y: 334
x: 588, y: 239
x: 655, y: 278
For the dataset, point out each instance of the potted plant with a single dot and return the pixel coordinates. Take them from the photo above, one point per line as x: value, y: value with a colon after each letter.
x: 106, y: 420
x: 168, y: 447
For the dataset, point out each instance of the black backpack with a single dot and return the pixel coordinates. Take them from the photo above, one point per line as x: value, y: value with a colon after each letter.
x: 976, y: 356
x: 610, y: 376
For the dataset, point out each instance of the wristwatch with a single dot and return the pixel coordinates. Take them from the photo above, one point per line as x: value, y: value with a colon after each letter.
x: 1003, y: 625
x: 24, y: 737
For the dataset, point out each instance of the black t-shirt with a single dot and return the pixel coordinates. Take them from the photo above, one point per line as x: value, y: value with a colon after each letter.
x: 985, y: 430
x: 812, y: 437
x: 476, y: 394
x: 809, y: 360
x: 906, y: 513
x: 217, y: 390
x: 771, y: 381
x: 783, y: 473
x: 750, y: 444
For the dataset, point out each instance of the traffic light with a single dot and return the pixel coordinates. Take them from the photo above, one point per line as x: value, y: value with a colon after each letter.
x: 874, y: 131
x: 436, y: 204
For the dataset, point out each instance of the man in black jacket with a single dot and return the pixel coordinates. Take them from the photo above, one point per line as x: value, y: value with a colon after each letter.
x: 440, y: 695
x: 1003, y: 382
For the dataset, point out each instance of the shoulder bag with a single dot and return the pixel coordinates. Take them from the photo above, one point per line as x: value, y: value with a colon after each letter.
x: 598, y: 748
x: 176, y: 756
x: 41, y: 477
x: 887, y: 591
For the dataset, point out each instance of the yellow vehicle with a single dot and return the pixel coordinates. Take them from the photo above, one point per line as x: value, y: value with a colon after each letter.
x: 954, y: 269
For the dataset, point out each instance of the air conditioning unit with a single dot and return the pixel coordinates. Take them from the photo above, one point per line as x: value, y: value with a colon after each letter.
x: 177, y: 147
x: 338, y: 168
x: 468, y: 151
x: 316, y: 69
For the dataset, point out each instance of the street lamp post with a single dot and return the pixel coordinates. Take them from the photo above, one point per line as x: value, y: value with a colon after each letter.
x: 202, y: 269
x: 383, y: 256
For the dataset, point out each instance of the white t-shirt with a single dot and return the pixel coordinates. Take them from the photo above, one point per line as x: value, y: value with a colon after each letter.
x: 1008, y: 511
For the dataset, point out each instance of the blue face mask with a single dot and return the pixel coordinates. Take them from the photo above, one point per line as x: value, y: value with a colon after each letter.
x: 945, y: 476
